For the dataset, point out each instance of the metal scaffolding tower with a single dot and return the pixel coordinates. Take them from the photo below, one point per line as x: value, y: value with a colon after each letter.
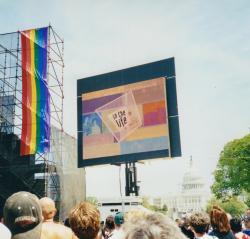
x: 35, y: 173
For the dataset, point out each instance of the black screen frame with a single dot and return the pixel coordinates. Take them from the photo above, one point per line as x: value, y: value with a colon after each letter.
x: 164, y: 68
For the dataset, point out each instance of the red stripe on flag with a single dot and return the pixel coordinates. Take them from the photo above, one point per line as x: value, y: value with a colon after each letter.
x: 26, y: 94
x: 29, y: 98
x: 24, y: 97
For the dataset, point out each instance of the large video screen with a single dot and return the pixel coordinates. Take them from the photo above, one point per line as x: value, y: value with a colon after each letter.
x: 127, y: 118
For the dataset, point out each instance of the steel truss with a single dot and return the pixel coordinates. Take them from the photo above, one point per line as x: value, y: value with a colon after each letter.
x: 11, y: 112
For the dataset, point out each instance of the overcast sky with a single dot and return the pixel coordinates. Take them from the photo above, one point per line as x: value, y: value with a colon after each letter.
x: 210, y: 41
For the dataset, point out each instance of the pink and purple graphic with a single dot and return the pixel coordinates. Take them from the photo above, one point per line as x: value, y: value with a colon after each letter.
x: 126, y: 119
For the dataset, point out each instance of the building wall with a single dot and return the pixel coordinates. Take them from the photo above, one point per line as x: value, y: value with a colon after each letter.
x: 72, y: 179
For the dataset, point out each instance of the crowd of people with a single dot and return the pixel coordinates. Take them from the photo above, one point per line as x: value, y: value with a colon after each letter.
x: 27, y: 217
x: 217, y: 225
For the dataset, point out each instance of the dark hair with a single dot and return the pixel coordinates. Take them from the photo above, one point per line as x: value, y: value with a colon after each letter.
x: 236, y: 225
x: 66, y: 222
x: 199, y: 222
x: 110, y: 223
x: 246, y: 219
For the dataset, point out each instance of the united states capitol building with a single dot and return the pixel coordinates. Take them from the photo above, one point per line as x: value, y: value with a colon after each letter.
x: 192, y: 196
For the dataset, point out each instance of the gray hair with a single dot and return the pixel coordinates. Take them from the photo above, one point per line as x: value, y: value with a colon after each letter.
x: 153, y: 226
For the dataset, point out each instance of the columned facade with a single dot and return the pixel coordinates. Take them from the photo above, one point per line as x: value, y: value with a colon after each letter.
x: 193, y: 195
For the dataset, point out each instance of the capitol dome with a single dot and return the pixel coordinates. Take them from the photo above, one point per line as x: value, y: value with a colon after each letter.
x: 193, y: 195
x: 192, y: 179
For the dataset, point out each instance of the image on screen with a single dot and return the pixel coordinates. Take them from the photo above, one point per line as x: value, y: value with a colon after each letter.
x: 126, y: 119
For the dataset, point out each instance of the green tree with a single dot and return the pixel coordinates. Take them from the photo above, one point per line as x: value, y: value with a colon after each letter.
x: 248, y: 202
x: 92, y: 200
x: 213, y: 202
x: 146, y: 204
x: 234, y: 206
x: 164, y: 209
x: 232, y: 175
x: 246, y: 196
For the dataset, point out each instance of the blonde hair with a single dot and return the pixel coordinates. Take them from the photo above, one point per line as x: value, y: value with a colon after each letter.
x: 48, y: 208
x: 84, y: 221
x: 136, y: 214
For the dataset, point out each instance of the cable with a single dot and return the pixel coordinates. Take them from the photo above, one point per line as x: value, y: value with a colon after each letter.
x: 120, y: 181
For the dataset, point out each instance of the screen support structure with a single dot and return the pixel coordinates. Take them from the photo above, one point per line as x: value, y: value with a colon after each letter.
x: 11, y: 122
x: 131, y: 187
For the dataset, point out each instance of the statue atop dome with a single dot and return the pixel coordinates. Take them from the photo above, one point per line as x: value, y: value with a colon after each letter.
x: 191, y: 162
x: 192, y: 179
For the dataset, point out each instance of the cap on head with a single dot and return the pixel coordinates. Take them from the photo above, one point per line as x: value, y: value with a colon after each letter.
x: 119, y: 218
x: 22, y: 212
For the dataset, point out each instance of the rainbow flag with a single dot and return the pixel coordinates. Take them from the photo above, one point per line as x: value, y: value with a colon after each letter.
x: 35, y: 136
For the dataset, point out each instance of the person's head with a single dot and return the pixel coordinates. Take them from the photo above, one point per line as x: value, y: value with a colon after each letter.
x: 236, y: 225
x: 136, y: 214
x: 247, y: 222
x: 48, y: 208
x: 185, y: 222
x: 84, y: 220
x: 23, y: 215
x: 4, y: 232
x: 199, y: 223
x: 219, y: 220
x: 102, y: 224
x: 248, y: 212
x: 178, y: 221
x: 152, y: 226
x: 110, y: 223
x: 119, y: 219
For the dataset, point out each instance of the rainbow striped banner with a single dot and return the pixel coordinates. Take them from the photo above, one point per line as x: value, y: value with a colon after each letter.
x: 35, y: 94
